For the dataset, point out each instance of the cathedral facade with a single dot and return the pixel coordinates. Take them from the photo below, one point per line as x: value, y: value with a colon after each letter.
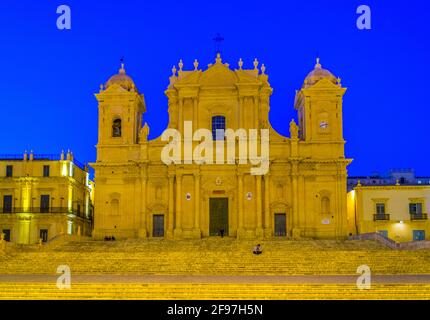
x: 301, y: 194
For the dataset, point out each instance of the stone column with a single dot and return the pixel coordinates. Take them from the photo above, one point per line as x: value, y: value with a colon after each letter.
x: 267, y: 217
x: 178, y: 227
x: 143, y: 224
x: 180, y: 116
x: 195, y: 114
x: 241, y: 111
x: 256, y: 111
x: 197, y: 205
x: 259, y: 197
x: 240, y: 229
x: 301, y: 216
x: 171, y: 218
x: 340, y: 215
x: 294, y: 177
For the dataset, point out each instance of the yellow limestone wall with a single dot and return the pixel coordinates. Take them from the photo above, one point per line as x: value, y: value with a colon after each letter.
x: 133, y: 183
x: 362, y: 203
x: 67, y: 185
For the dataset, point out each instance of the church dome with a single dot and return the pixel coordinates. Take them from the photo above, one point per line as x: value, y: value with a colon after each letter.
x: 317, y: 74
x: 121, y: 79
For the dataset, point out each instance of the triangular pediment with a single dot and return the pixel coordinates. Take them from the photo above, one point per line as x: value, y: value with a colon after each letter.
x: 247, y: 77
x: 189, y: 78
x: 115, y: 89
x: 324, y: 84
x: 218, y: 75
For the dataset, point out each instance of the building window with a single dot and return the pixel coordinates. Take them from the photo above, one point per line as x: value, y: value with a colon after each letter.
x: 416, y: 211
x: 218, y: 123
x: 43, y: 235
x: 380, y: 208
x: 6, y: 235
x: 418, y: 235
x: 416, y: 208
x: 46, y: 171
x: 44, y: 203
x: 7, y: 204
x: 9, y: 171
x: 116, y: 128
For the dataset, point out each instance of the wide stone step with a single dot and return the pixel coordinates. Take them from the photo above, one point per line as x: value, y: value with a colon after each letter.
x: 212, y: 291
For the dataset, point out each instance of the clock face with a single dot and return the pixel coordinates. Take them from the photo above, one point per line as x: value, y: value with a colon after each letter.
x: 323, y: 125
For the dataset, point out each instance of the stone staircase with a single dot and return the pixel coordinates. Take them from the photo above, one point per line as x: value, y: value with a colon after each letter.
x: 213, y: 291
x: 204, y: 259
x: 216, y: 257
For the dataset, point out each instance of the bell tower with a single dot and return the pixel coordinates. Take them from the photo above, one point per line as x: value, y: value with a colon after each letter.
x: 319, y: 106
x: 121, y: 107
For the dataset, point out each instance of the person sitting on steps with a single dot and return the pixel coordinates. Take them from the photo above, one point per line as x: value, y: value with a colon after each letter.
x: 257, y: 249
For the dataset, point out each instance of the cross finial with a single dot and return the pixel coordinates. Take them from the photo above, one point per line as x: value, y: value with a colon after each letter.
x: 318, y: 64
x: 122, y: 70
x: 218, y: 40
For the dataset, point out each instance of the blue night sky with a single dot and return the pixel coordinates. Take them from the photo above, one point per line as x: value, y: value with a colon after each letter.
x: 49, y: 76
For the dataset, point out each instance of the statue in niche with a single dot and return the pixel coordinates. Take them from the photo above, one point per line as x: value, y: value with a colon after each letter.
x: 116, y: 128
x: 144, y: 132
x: 294, y: 130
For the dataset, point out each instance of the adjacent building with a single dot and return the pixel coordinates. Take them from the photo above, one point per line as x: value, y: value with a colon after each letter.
x: 400, y: 176
x: 397, y: 211
x: 44, y: 196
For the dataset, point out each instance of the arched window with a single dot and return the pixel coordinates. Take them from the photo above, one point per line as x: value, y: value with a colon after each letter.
x: 218, y: 123
x: 116, y: 128
x: 325, y: 205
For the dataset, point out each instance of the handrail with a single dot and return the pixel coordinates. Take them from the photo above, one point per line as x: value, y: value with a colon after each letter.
x: 41, y: 157
x: 381, y: 216
x: 376, y: 236
x: 50, y: 210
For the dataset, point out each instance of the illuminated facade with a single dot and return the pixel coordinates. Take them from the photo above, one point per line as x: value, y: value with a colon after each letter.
x: 399, y: 212
x: 303, y: 194
x: 44, y: 196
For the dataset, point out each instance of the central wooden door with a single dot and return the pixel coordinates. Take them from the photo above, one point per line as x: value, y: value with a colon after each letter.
x: 280, y: 224
x: 158, y: 225
x: 218, y: 212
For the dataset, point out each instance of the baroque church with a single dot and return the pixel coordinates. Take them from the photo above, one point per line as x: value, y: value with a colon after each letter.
x: 303, y: 193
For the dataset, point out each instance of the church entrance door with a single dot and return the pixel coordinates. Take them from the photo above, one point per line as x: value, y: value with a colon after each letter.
x: 158, y: 225
x: 218, y: 212
x: 280, y: 225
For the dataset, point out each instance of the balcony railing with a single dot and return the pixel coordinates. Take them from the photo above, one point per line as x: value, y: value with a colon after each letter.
x: 418, y: 216
x: 381, y: 217
x: 52, y: 210
x: 11, y: 157
x: 41, y: 157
